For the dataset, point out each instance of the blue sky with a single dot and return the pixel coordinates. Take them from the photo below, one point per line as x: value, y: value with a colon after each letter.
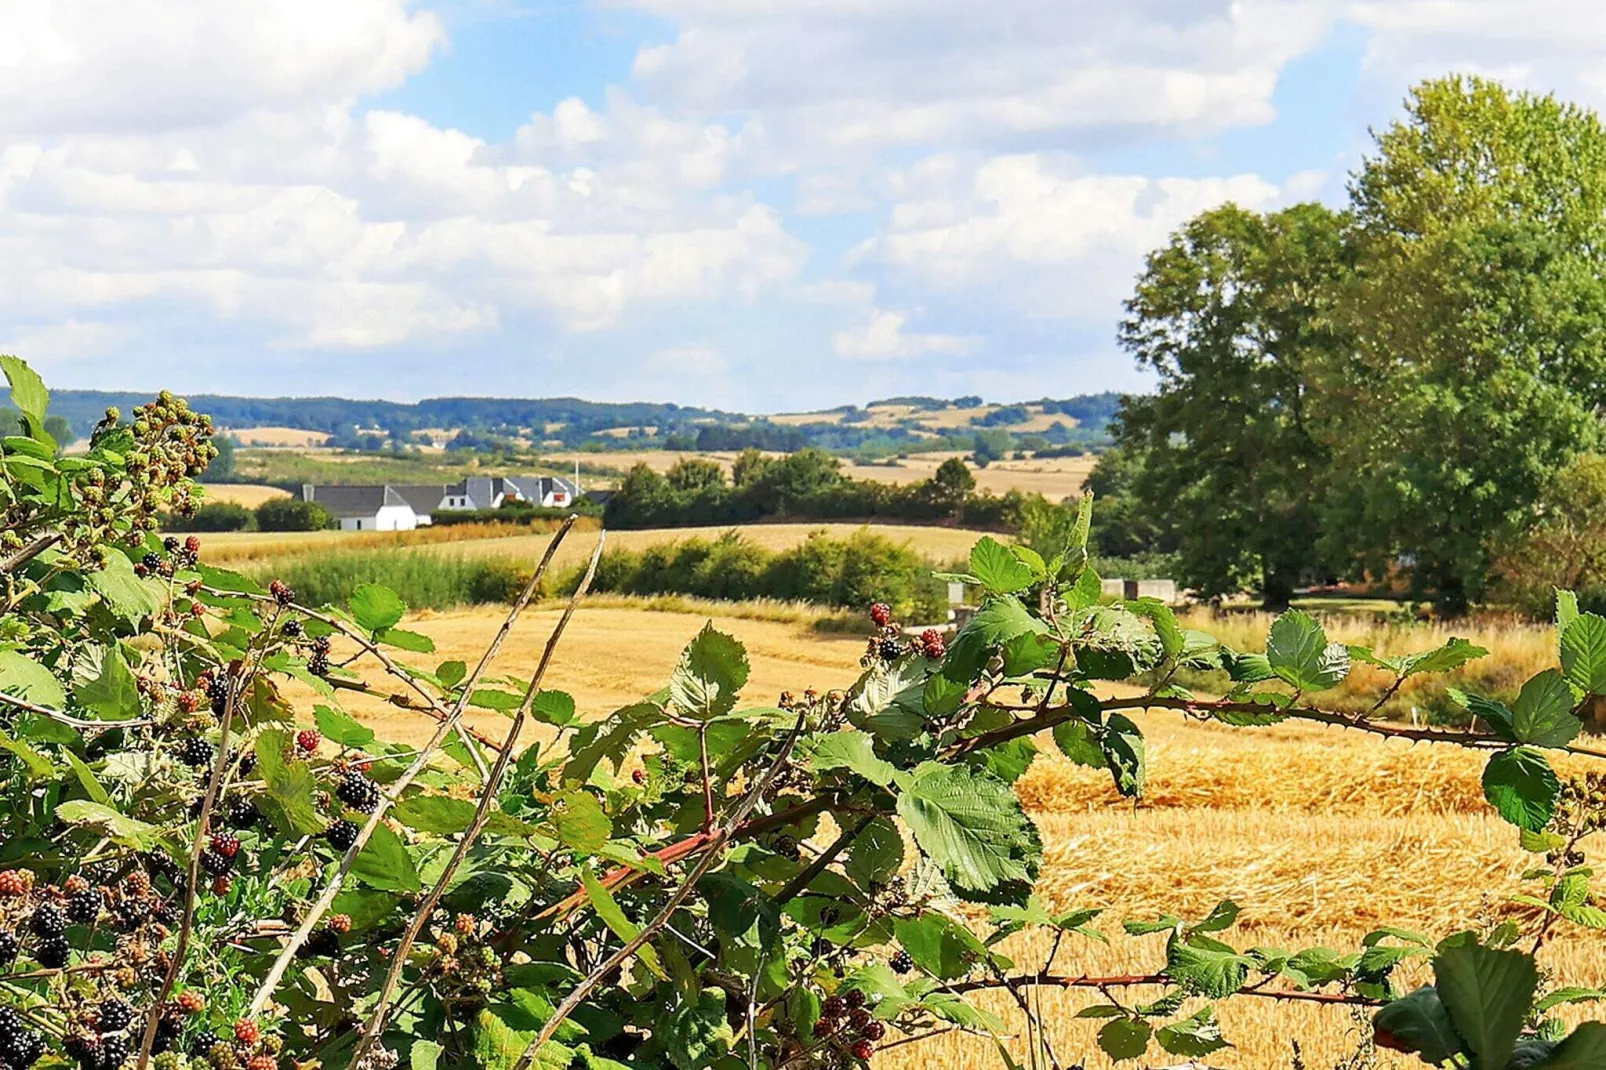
x: 767, y: 205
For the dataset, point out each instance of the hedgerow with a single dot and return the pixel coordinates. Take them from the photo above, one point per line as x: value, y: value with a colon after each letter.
x: 201, y: 870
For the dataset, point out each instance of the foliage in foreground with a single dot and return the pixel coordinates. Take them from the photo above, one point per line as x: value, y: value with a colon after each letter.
x: 203, y: 873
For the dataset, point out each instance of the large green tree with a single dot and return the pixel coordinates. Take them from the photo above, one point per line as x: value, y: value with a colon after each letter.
x: 1478, y: 314
x: 1230, y: 315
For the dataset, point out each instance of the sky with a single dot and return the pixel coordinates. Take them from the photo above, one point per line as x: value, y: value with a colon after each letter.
x: 759, y: 205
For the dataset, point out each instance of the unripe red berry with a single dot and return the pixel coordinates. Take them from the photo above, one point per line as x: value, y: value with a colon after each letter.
x: 881, y: 614
x: 308, y: 739
x: 862, y: 1050
x: 932, y: 643
x: 192, y: 544
x: 340, y: 923
x: 221, y: 884
x: 191, y: 1002
x: 246, y: 1031
x: 262, y: 1062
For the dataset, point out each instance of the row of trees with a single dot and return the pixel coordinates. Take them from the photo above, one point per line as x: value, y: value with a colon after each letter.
x: 1396, y: 387
x: 808, y: 484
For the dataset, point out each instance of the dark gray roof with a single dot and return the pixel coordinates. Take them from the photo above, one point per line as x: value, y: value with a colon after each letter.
x: 352, y: 501
x: 423, y: 497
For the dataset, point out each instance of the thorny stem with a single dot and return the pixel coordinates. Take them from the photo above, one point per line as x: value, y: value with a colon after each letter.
x: 389, y: 797
x: 714, y: 852
x: 1132, y: 979
x: 488, y: 797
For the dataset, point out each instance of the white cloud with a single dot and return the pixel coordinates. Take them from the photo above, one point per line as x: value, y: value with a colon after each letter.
x: 881, y: 337
x: 1034, y: 233
x: 847, y: 78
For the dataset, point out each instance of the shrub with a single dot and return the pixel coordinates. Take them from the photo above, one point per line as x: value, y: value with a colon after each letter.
x: 422, y: 579
x: 292, y: 514
x: 205, y: 867
x: 213, y: 516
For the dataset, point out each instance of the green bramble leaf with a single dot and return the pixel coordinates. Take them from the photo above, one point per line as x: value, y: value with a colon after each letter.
x: 1520, y: 784
x: 712, y: 671
x: 375, y: 607
x: 876, y: 853
x: 405, y: 640
x: 969, y: 823
x: 1125, y: 1038
x: 383, y: 862
x: 290, y: 798
x: 555, y: 708
x: 852, y: 750
x: 998, y: 568
x: 1193, y: 1037
x: 580, y: 821
x: 113, y: 693
x: 698, y: 1034
x: 1583, y: 653
x: 1122, y: 744
x: 1078, y: 741
x: 614, y: 917
x: 1584, y: 1049
x: 439, y: 814
x: 1487, y: 993
x: 1418, y: 1023
x: 25, y: 678
x: 342, y: 729
x: 1543, y: 713
x: 127, y: 831
x: 938, y: 944
x: 1206, y: 966
x: 28, y: 391
x: 1299, y: 654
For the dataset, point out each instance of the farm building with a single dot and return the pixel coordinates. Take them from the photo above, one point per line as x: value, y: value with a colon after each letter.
x: 403, y: 507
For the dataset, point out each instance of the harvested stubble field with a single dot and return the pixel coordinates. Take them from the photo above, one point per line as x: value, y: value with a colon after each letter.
x: 1320, y: 834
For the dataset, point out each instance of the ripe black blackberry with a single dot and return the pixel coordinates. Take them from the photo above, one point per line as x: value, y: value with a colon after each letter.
x: 292, y: 628
x: 890, y: 650
x: 248, y: 763
x: 318, y: 664
x: 53, y: 952
x: 216, y: 862
x: 152, y: 561
x: 322, y: 944
x: 114, y: 1051
x: 342, y: 834
x: 168, y: 912
x: 240, y: 812
x: 84, y: 907
x: 854, y: 998
x: 115, y: 1015
x: 358, y: 792
x: 217, y: 693
x: 171, y: 544
x: 195, y: 752
x: 25, y: 1050
x: 48, y: 921
x: 902, y: 961
x: 9, y: 946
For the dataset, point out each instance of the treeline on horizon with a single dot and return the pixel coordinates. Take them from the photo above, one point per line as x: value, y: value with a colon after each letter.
x: 1407, y: 389
x: 486, y: 423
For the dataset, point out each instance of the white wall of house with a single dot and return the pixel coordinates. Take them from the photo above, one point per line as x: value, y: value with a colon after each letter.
x: 389, y: 518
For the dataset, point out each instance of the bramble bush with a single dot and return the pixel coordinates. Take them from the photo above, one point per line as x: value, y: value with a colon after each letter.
x: 197, y: 871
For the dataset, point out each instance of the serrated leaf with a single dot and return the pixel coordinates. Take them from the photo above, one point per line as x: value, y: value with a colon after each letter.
x: 341, y: 728
x: 1584, y: 1049
x: 1418, y: 1023
x: 492, y: 699
x: 290, y: 798
x: 440, y: 814
x: 712, y: 671
x: 28, y: 391
x: 1125, y: 1038
x: 555, y: 708
x: 113, y: 694
x: 1078, y: 741
x: 697, y: 1034
x: 119, y: 826
x: 1206, y: 966
x: 383, y: 862
x: 1487, y: 993
x: 998, y: 568
x: 1124, y: 752
x: 938, y: 945
x: 852, y: 750
x: 580, y: 821
x: 1194, y: 1037
x: 1543, y: 713
x: 425, y: 1055
x: 375, y: 607
x: 451, y: 673
x: 1222, y: 917
x: 970, y: 824
x: 1520, y: 784
x: 614, y: 917
x: 876, y: 853
x: 1447, y: 658
x: 1299, y: 654
x: 1583, y: 653
x: 402, y: 639
x: 27, y: 679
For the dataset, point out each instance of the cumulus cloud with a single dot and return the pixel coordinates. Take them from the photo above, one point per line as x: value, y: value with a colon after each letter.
x: 1037, y: 234
x: 881, y: 337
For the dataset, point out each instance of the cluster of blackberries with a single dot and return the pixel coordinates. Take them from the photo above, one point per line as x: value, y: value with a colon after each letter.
x: 357, y: 791
x: 318, y: 663
x: 282, y: 592
x: 885, y: 644
x: 218, y: 856
x: 20, y: 1047
x: 932, y: 644
x: 240, y: 812
x: 194, y: 752
x: 846, y: 1020
x: 217, y: 693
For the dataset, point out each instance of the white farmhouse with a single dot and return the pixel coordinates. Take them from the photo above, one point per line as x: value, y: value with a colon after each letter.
x: 403, y: 507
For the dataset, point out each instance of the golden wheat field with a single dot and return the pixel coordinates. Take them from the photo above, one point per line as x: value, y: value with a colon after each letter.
x: 1320, y: 834
x: 249, y: 495
x: 235, y: 548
